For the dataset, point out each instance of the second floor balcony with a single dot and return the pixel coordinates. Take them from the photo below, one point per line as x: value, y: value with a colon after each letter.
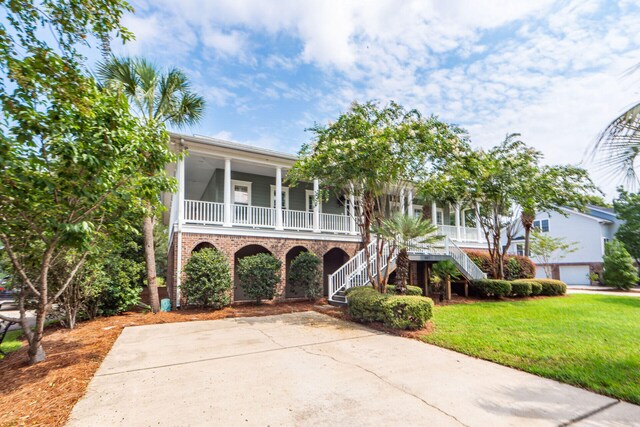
x: 225, y: 187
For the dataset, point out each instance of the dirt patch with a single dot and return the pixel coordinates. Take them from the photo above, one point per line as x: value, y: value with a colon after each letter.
x: 44, y: 394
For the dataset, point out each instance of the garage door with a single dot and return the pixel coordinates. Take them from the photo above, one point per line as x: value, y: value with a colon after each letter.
x: 540, y: 273
x: 574, y: 274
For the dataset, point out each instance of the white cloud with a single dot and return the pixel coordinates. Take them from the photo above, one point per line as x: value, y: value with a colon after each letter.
x: 550, y: 70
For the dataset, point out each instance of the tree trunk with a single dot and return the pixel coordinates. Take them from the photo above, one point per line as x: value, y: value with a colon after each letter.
x: 447, y: 287
x: 402, y: 271
x: 150, y: 261
x: 527, y: 234
x: 36, y: 352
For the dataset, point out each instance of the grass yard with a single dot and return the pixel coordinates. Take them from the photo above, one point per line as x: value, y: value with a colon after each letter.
x: 592, y: 341
x: 11, y: 342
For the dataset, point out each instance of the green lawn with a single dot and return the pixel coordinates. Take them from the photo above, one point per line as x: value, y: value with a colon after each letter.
x: 11, y: 342
x: 592, y: 341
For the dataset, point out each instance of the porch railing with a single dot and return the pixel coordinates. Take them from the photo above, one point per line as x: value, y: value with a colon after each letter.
x: 212, y: 213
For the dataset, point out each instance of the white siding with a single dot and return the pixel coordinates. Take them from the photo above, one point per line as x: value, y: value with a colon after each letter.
x: 586, y: 231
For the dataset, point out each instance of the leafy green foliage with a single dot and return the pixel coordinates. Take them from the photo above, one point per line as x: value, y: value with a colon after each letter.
x: 405, y: 232
x: 371, y: 151
x: 491, y: 288
x: 516, y: 267
x: 627, y: 208
x: 619, y: 271
x: 522, y: 289
x: 396, y: 311
x: 504, y: 181
x: 365, y: 304
x: 550, y: 287
x: 407, y: 312
x: 207, y: 280
x: 536, y: 288
x: 411, y: 290
x: 259, y: 274
x: 305, y: 275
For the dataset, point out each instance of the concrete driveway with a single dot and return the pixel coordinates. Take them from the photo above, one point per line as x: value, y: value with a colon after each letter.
x: 311, y: 369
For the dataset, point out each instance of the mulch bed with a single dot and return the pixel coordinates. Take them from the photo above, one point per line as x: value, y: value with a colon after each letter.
x: 45, y: 393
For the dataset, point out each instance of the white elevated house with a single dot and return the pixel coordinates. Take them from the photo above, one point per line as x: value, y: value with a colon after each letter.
x: 234, y: 197
x: 589, y: 230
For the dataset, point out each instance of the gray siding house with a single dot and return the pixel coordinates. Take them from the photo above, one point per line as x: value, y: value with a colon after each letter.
x: 228, y: 199
x: 589, y: 230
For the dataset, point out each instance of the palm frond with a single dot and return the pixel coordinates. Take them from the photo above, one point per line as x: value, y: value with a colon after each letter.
x: 617, y: 147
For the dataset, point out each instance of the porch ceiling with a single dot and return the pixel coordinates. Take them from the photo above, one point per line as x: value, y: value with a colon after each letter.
x: 199, y: 170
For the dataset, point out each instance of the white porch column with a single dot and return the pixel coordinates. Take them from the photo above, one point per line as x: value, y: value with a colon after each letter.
x: 478, y: 227
x: 279, y: 199
x: 227, y: 193
x: 434, y: 213
x: 352, y: 214
x: 178, y: 249
x: 316, y: 206
x: 402, y: 202
x: 180, y: 195
x: 410, y: 203
x: 458, y: 230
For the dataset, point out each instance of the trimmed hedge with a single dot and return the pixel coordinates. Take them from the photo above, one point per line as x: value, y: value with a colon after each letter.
x: 396, y: 311
x: 550, y: 287
x: 407, y: 312
x: 491, y: 288
x: 365, y: 304
x: 521, y: 289
x: 411, y: 290
x: 207, y: 279
x: 536, y: 288
x: 515, y: 266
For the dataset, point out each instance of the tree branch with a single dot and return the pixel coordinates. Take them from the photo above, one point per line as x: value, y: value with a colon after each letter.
x: 16, y: 264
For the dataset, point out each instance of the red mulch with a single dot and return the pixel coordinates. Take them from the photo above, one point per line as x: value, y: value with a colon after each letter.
x: 45, y: 393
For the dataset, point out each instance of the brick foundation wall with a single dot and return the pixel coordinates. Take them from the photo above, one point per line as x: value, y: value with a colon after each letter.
x: 229, y: 245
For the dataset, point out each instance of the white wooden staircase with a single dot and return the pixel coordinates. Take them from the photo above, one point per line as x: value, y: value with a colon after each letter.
x: 354, y: 272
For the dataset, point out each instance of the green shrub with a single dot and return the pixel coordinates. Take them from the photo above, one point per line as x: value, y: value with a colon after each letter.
x: 305, y: 275
x: 491, y: 288
x: 522, y: 289
x: 550, y: 287
x: 536, y: 288
x: 619, y: 271
x: 407, y: 312
x: 207, y: 280
x: 258, y: 275
x: 411, y: 290
x: 515, y: 266
x: 122, y: 288
x: 365, y: 304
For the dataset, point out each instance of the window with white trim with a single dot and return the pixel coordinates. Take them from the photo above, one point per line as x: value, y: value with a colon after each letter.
x: 310, y: 201
x: 285, y: 197
x: 439, y: 216
x: 520, y: 249
x: 541, y: 225
x: 241, y: 192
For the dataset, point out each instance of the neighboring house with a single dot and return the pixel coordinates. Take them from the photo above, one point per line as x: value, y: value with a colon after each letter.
x: 234, y: 197
x: 590, y: 230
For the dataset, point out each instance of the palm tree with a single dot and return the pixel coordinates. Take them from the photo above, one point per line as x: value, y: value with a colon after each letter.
x: 527, y: 217
x: 156, y: 98
x: 618, y: 146
x: 405, y: 231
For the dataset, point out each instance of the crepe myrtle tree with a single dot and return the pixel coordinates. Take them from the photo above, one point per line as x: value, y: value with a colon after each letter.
x: 69, y: 153
x: 548, y: 249
x: 69, y: 173
x: 373, y: 152
x: 505, y: 185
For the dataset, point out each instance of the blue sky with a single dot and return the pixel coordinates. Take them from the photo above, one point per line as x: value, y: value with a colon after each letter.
x: 553, y: 71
